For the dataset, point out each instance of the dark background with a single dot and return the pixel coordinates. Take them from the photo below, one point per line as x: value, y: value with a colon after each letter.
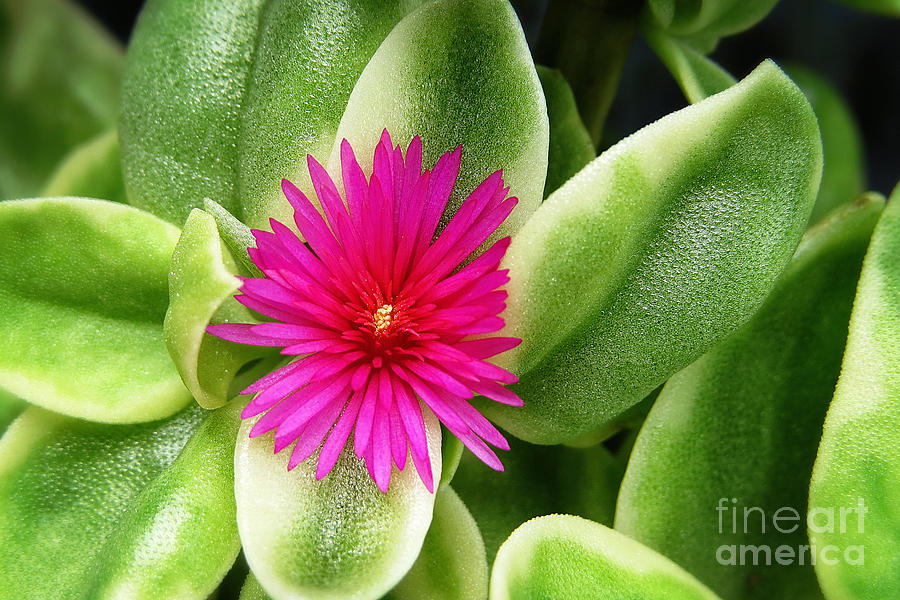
x: 856, y: 51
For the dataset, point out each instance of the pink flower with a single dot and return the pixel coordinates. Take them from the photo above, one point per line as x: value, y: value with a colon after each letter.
x: 382, y: 321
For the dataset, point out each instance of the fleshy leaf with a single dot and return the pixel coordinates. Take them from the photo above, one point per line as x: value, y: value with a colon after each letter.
x: 697, y: 76
x: 859, y: 457
x: 250, y: 88
x: 237, y: 237
x: 890, y: 8
x: 202, y: 285
x: 743, y: 422
x: 536, y: 481
x: 10, y: 408
x: 91, y: 170
x: 86, y: 281
x: 252, y: 590
x: 707, y: 18
x: 333, y: 538
x: 654, y: 252
x: 61, y: 73
x: 451, y: 453
x: 452, y: 563
x: 843, y: 177
x: 561, y: 556
x: 65, y: 487
x: 457, y: 72
x: 571, y: 147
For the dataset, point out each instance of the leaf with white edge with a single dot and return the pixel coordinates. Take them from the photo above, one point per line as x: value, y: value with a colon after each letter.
x: 85, y: 281
x: 744, y: 422
x: 339, y: 537
x: 202, y: 285
x: 561, y: 556
x: 179, y: 537
x: 61, y: 73
x: 843, y: 176
x: 571, y: 147
x: 653, y: 253
x: 456, y: 72
x: 223, y: 99
x: 697, y: 76
x: 859, y: 457
x: 707, y: 18
x: 309, y: 55
x: 452, y: 564
x: 65, y: 485
x: 91, y: 170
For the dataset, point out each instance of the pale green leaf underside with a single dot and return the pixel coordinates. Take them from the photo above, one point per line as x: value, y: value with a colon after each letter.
x: 456, y: 72
x: 452, y: 564
x: 337, y: 538
x: 859, y: 456
x: 654, y: 252
x: 202, y: 285
x: 86, y: 284
x: 738, y: 423
x: 560, y: 556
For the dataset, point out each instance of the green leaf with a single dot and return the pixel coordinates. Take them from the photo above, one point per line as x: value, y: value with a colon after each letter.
x: 252, y: 590
x: 859, y: 458
x: 179, y: 537
x: 451, y: 453
x: 452, y: 564
x: 91, y: 170
x: 457, y: 72
x: 334, y: 538
x: 843, y: 177
x: 539, y: 480
x: 10, y: 408
x: 67, y: 487
x: 250, y: 88
x: 890, y: 8
x: 60, y: 73
x: 571, y: 147
x: 697, y: 76
x: 743, y: 422
x: 707, y: 18
x: 87, y: 280
x: 237, y: 237
x: 653, y: 253
x: 202, y: 285
x: 561, y: 556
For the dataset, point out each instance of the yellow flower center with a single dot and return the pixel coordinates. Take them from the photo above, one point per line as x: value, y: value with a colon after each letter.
x: 382, y: 318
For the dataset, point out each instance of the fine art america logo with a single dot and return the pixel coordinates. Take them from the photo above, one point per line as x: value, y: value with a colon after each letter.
x: 751, y: 521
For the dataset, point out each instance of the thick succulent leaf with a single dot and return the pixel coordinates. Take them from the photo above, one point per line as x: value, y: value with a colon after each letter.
x: 340, y: 537
x: 744, y: 422
x: 452, y: 564
x: 87, y: 281
x: 707, y: 18
x: 250, y: 87
x: 457, y: 72
x: 890, y: 8
x: 571, y: 147
x: 202, y: 285
x: 60, y: 74
x: 309, y: 56
x: 185, y: 79
x: 236, y: 236
x: 65, y: 486
x: 859, y: 457
x: 843, y: 177
x: 10, y: 408
x: 697, y: 76
x: 539, y: 480
x: 179, y: 537
x: 451, y: 453
x: 654, y: 252
x: 252, y: 590
x: 91, y: 170
x: 561, y: 556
